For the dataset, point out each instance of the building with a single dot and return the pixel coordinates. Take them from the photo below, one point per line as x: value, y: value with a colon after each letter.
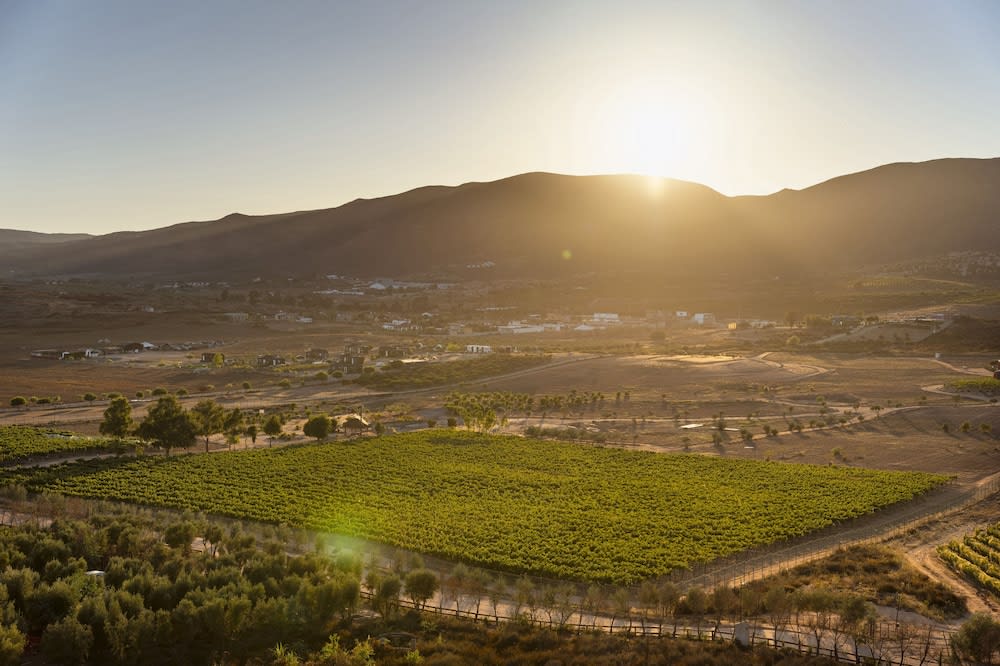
x: 518, y: 327
x: 478, y: 349
x: 317, y: 354
x: 269, y: 361
x: 703, y: 318
x: 393, y: 351
x: 349, y: 363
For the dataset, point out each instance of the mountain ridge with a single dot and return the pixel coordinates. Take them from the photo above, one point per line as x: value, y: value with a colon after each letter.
x: 539, y: 223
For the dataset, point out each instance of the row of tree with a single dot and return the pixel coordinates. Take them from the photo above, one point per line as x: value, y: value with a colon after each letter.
x: 168, y: 425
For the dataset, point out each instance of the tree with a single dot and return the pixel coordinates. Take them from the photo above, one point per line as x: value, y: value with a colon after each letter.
x: 317, y: 427
x: 209, y: 416
x: 67, y: 642
x: 11, y: 645
x: 251, y: 432
x: 978, y: 639
x: 385, y: 596
x: 117, y: 418
x: 272, y: 428
x: 421, y: 585
x: 232, y: 425
x: 168, y: 425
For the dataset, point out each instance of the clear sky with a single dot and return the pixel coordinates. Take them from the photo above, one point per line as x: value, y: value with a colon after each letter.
x: 137, y: 114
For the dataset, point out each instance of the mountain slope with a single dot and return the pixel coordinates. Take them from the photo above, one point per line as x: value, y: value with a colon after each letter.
x: 541, y: 224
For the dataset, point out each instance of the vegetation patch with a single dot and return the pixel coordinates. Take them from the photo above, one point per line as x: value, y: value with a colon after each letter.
x: 879, y: 575
x: 420, y: 375
x: 984, y: 385
x: 21, y: 442
x: 543, y: 507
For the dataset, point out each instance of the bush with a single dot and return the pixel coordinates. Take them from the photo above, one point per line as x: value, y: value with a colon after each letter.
x: 246, y: 386
x: 89, y: 397
x: 159, y: 390
x: 285, y: 383
x: 18, y: 401
x: 317, y: 427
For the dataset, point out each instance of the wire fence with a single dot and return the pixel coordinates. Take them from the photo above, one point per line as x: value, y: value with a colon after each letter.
x: 878, y: 642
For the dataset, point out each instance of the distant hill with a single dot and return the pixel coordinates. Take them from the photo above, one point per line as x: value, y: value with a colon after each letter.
x: 542, y: 224
x: 13, y: 243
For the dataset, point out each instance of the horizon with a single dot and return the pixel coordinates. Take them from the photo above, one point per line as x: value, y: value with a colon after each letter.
x: 469, y: 182
x: 124, y: 117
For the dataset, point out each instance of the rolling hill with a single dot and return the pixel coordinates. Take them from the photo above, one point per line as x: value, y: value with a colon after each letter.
x: 543, y: 224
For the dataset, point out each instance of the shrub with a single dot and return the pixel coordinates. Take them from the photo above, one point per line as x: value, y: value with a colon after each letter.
x: 159, y: 390
x: 89, y: 397
x: 18, y: 401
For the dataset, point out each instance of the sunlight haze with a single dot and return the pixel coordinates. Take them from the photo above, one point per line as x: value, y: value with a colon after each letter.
x: 129, y: 116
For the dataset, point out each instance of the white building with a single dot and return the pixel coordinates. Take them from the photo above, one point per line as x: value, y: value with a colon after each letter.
x: 478, y: 349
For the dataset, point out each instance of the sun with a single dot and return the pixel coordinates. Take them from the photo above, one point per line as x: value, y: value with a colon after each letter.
x: 646, y: 129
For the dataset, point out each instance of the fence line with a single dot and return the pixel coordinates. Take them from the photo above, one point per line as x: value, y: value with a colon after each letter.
x: 882, y: 642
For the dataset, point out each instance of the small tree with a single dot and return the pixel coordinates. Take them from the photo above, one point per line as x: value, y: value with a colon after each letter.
x: 272, y: 428
x: 978, y: 640
x: 209, y: 417
x: 117, y: 418
x: 233, y: 424
x: 421, y: 585
x: 317, y: 427
x: 168, y: 425
x: 89, y: 397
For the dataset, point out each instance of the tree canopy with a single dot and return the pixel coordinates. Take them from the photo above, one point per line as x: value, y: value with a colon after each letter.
x: 117, y: 418
x: 168, y: 425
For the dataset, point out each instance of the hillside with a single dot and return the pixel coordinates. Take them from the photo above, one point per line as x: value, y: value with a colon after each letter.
x: 526, y: 223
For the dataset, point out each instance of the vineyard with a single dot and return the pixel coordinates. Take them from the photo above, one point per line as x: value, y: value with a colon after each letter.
x: 543, y: 507
x: 977, y: 557
x: 984, y: 385
x: 21, y: 442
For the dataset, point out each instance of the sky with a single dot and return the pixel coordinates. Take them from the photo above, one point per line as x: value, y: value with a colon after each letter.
x: 129, y: 115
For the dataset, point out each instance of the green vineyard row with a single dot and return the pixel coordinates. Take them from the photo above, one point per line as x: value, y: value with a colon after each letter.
x: 977, y: 557
x: 543, y: 507
x: 20, y: 442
